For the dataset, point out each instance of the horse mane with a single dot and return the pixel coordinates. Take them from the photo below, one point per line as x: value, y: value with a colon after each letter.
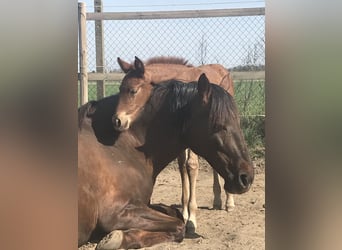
x: 168, y: 60
x: 222, y: 108
x: 176, y: 95
x: 173, y: 94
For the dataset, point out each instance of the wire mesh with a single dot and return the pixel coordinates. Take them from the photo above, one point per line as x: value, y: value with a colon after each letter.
x: 238, y: 43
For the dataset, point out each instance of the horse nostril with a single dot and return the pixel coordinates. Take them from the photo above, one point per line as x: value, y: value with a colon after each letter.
x: 244, y: 180
x: 116, y: 122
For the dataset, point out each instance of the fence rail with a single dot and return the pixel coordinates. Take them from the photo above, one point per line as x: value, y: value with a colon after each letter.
x: 234, y: 38
x: 176, y: 14
x: 117, y: 76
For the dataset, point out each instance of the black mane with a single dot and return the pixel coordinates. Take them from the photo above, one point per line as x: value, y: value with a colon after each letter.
x: 176, y: 95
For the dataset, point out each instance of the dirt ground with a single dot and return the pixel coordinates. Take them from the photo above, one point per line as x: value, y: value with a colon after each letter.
x: 241, y: 229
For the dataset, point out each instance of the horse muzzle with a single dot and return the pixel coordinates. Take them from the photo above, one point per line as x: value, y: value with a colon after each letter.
x: 241, y: 182
x: 120, y: 124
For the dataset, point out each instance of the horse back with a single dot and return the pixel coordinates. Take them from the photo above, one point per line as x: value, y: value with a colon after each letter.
x: 219, y: 75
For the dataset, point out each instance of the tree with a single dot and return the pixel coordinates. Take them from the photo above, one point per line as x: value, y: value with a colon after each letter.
x: 255, y: 58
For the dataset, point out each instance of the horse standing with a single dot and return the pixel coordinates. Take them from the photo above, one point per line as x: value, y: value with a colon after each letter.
x: 116, y: 182
x: 135, y: 89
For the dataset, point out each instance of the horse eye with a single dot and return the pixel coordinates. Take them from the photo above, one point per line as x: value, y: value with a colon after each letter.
x: 227, y: 131
x: 132, y: 91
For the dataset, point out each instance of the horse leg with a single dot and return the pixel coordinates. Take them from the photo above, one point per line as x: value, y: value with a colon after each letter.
x: 217, y: 204
x: 87, y: 216
x: 149, y: 227
x: 171, y: 211
x: 185, y: 185
x: 132, y: 238
x: 192, y: 166
x: 217, y: 195
x: 229, y: 202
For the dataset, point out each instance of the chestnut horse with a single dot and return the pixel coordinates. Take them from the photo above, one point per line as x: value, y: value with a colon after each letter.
x: 135, y: 89
x: 115, y: 182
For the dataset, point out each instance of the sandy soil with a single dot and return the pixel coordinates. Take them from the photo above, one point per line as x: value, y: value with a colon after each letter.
x: 241, y: 229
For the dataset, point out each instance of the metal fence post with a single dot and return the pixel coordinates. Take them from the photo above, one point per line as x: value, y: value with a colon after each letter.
x: 99, y: 44
x: 82, y: 37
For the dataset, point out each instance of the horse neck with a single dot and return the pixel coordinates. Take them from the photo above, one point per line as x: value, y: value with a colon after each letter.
x: 129, y: 143
x: 159, y: 139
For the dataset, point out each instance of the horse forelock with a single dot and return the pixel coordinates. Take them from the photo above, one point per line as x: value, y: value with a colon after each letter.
x: 168, y: 60
x: 222, y: 107
x: 132, y: 74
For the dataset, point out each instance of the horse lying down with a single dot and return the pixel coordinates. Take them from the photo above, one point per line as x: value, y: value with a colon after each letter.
x: 116, y: 179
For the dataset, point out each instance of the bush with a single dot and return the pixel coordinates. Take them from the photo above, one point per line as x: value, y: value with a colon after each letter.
x: 254, y: 133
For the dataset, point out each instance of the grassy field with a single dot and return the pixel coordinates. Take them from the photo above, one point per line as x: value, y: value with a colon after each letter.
x: 249, y: 95
x: 250, y: 98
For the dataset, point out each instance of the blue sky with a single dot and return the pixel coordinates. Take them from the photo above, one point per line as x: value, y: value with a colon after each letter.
x: 159, y: 5
x: 227, y: 39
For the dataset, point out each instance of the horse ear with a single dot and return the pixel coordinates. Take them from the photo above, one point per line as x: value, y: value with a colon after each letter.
x: 86, y: 110
x: 125, y: 66
x: 91, y: 108
x: 204, y: 88
x: 139, y: 65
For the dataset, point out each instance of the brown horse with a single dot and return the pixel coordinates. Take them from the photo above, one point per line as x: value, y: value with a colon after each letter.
x: 116, y: 182
x: 135, y: 89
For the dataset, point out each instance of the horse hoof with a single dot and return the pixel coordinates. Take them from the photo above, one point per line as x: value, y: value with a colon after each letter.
x: 112, y: 241
x: 190, y: 227
x: 88, y: 246
x: 230, y: 208
x: 217, y: 206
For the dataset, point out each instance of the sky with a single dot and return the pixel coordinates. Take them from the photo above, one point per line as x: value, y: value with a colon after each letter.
x: 227, y: 39
x: 160, y: 5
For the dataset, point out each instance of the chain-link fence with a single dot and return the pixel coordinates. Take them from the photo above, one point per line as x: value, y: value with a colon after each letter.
x: 237, y: 42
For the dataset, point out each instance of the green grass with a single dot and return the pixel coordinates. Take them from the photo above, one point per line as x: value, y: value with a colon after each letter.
x: 249, y: 95
x: 254, y: 132
x: 111, y: 88
x: 250, y: 98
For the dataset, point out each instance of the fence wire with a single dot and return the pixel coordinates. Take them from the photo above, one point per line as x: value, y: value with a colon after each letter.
x: 238, y: 43
x: 230, y: 41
